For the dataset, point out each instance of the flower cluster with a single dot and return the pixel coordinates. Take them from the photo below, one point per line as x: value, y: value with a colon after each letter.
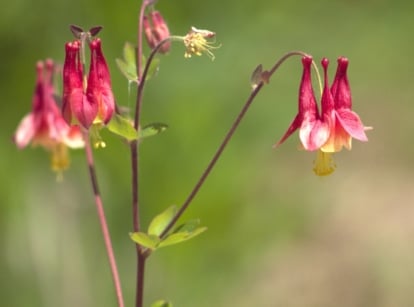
x: 335, y: 126
x: 44, y: 125
x: 86, y: 101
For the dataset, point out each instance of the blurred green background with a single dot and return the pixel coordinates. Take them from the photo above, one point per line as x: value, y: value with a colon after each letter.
x: 278, y: 235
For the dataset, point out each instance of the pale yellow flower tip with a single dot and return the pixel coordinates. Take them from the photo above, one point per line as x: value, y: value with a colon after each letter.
x: 59, y: 160
x: 324, y: 164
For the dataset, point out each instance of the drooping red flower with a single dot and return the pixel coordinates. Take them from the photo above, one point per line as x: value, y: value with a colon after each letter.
x: 313, y: 131
x: 345, y: 124
x: 337, y: 124
x: 92, y: 101
x: 44, y: 125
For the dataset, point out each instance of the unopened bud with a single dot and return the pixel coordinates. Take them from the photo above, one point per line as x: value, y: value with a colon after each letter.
x: 156, y: 30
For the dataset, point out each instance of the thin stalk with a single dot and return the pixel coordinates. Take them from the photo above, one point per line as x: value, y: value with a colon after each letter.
x: 139, y: 47
x: 225, y: 141
x: 102, y: 220
x: 135, y: 167
x: 134, y: 147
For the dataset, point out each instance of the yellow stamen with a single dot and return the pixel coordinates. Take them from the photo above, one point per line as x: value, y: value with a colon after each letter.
x: 99, y: 144
x: 324, y: 164
x: 196, y: 43
x: 59, y: 159
x: 96, y: 138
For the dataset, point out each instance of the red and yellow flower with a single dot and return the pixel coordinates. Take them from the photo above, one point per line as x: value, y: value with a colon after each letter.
x: 87, y: 102
x: 44, y: 125
x: 337, y: 124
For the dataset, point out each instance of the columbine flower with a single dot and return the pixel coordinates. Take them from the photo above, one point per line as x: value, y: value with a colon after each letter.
x: 195, y: 43
x: 96, y: 104
x: 313, y: 131
x: 44, y: 125
x: 337, y: 125
x: 344, y: 123
x: 156, y: 30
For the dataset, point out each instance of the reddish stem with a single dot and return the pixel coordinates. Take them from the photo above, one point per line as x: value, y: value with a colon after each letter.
x: 225, y: 141
x: 102, y: 220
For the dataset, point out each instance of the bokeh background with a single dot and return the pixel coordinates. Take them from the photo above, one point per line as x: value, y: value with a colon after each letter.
x: 278, y: 235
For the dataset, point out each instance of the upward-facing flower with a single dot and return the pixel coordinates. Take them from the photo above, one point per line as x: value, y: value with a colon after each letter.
x: 196, y: 43
x: 44, y: 125
x: 90, y: 101
x: 345, y: 124
x: 313, y: 131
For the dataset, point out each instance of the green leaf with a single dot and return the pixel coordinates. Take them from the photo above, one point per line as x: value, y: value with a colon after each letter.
x: 178, y: 237
x: 129, y: 53
x: 145, y: 240
x: 127, y: 65
x: 161, y: 303
x: 128, y: 71
x: 153, y: 69
x: 152, y: 129
x: 161, y: 221
x: 123, y: 127
x: 188, y: 226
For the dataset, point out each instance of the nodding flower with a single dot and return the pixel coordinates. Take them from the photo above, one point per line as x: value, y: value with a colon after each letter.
x: 337, y: 124
x: 44, y: 125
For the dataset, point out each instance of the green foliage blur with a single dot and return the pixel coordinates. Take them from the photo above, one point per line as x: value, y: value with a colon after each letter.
x: 277, y: 234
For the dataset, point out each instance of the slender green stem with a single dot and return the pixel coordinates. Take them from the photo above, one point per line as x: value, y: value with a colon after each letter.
x: 225, y: 141
x: 102, y: 220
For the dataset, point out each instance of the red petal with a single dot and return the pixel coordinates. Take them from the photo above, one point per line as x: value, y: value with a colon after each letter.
x: 352, y: 124
x: 107, y: 105
x: 85, y: 111
x: 292, y: 128
x: 313, y: 134
x: 25, y: 131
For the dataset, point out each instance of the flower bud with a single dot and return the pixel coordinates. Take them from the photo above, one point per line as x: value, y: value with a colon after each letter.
x: 156, y: 30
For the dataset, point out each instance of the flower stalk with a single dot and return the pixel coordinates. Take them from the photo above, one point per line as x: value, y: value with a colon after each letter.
x: 226, y: 139
x: 102, y: 220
